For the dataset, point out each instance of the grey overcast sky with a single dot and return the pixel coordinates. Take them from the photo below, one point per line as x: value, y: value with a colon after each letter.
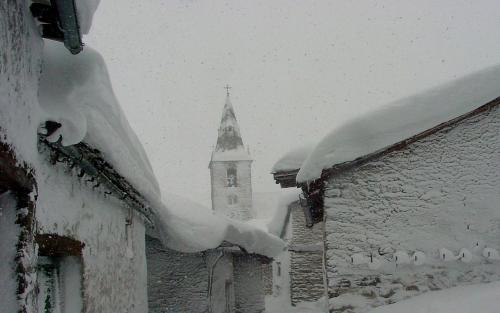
x: 298, y: 69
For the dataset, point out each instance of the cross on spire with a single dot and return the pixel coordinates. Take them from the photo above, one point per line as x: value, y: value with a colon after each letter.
x: 227, y: 89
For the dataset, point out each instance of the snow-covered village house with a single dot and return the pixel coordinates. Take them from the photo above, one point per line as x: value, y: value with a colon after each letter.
x: 70, y: 220
x: 227, y: 278
x: 77, y: 193
x: 408, y: 196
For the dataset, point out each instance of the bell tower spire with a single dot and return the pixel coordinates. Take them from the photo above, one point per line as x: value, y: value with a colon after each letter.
x: 230, y: 168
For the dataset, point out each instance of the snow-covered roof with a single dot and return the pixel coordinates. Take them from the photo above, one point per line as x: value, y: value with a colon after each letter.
x: 75, y: 90
x: 400, y: 120
x: 292, y: 160
x: 187, y: 226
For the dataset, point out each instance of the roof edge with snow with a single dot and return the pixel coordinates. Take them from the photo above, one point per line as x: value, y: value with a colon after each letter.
x: 337, y: 168
x: 402, y: 120
x: 285, y: 177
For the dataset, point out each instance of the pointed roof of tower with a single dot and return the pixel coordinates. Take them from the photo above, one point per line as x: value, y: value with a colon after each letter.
x: 229, y: 143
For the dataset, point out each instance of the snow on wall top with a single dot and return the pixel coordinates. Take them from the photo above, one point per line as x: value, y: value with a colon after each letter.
x: 75, y: 90
x: 401, y: 120
x: 292, y: 160
x: 187, y: 226
x: 85, y: 10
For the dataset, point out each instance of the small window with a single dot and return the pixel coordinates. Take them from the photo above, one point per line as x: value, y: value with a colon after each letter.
x: 231, y: 176
x: 59, y: 274
x: 278, y: 268
x: 232, y: 199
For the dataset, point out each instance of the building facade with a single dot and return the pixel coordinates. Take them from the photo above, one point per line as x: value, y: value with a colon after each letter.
x: 417, y: 216
x: 417, y: 219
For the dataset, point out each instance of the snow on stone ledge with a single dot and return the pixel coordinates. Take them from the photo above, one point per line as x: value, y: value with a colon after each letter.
x: 400, y: 120
x: 85, y: 10
x: 75, y: 90
x: 187, y: 226
x: 292, y: 160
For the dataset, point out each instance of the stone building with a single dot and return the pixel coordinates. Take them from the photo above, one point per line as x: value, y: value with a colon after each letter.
x: 66, y: 227
x: 227, y: 278
x: 306, y: 247
x: 409, y: 195
x: 298, y: 273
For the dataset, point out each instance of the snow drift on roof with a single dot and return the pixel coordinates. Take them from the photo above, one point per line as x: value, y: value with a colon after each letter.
x: 401, y: 120
x: 292, y: 160
x: 85, y: 10
x: 186, y: 226
x: 75, y: 90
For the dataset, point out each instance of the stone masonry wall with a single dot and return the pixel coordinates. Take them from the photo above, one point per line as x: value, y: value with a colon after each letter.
x: 267, y: 277
x: 20, y: 66
x: 441, y: 192
x: 9, y: 232
x: 248, y: 284
x: 306, y: 258
x: 67, y: 206
x: 177, y: 282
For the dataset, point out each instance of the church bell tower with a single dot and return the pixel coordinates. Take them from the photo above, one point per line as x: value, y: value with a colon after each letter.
x: 231, y: 169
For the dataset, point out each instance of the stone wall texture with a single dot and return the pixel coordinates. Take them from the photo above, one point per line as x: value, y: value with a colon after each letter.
x: 242, y: 210
x: 439, y: 192
x: 177, y: 282
x: 248, y: 284
x: 267, y: 277
x: 9, y: 232
x: 20, y: 65
x: 306, y: 258
x: 67, y: 206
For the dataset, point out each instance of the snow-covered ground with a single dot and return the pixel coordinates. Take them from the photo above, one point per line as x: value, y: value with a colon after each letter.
x: 480, y: 298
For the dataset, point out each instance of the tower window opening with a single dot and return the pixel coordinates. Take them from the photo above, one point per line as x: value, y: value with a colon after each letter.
x: 231, y: 177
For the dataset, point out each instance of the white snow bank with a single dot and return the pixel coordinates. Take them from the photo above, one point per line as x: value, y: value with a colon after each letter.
x: 85, y: 10
x: 187, y: 226
x: 401, y: 120
x: 293, y: 160
x: 75, y: 90
x: 484, y: 298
